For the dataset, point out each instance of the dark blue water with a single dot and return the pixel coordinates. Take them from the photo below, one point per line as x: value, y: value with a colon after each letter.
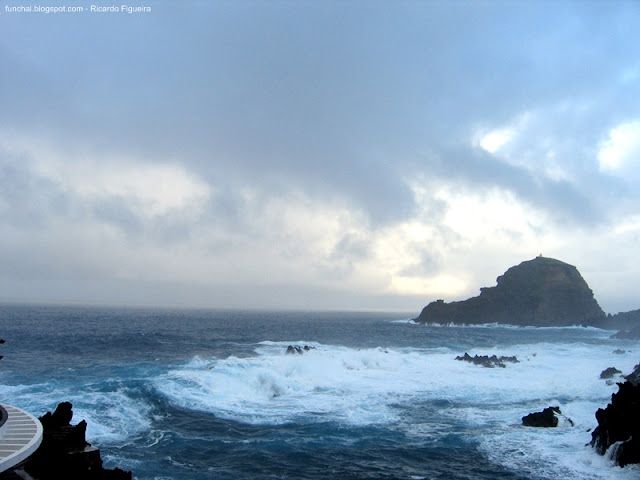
x: 211, y: 394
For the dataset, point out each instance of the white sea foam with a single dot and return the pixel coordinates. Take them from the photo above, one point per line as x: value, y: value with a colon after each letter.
x: 113, y: 416
x: 404, y: 320
x: 383, y: 385
x: 380, y: 386
x: 361, y: 384
x: 551, y: 453
x: 326, y: 383
x: 557, y: 375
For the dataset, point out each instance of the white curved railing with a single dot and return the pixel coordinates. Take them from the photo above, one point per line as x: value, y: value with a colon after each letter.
x: 20, y: 436
x: 3, y: 421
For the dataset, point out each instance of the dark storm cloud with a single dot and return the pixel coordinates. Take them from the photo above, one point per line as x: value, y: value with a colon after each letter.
x: 339, y: 98
x: 350, y: 103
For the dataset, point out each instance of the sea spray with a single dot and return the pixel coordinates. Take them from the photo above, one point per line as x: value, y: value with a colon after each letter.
x: 211, y: 395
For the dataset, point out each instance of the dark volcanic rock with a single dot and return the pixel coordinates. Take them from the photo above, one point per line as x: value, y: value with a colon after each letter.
x: 487, y: 361
x: 624, y: 321
x: 633, y: 334
x: 538, y: 292
x: 292, y: 350
x: 549, y: 417
x: 65, y: 454
x: 545, y: 418
x: 634, y: 377
x: 619, y: 425
x: 61, y: 417
x: 610, y: 373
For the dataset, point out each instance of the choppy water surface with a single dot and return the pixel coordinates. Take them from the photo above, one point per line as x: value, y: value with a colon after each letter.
x: 195, y: 394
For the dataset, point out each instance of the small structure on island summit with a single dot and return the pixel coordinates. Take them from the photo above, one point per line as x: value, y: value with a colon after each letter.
x: 540, y: 292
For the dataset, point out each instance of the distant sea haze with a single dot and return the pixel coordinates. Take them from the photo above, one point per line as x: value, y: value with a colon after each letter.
x: 212, y: 394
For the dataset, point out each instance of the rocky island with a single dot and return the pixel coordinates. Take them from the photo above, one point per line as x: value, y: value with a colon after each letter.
x: 540, y: 292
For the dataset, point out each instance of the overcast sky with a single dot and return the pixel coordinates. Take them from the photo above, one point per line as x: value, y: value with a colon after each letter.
x: 317, y: 154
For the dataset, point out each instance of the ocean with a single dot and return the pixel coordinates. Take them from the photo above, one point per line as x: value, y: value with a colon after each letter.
x: 186, y: 394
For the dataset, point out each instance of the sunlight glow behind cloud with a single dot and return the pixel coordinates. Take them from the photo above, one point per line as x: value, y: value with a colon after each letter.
x: 622, y: 149
x: 495, y: 139
x: 317, y: 154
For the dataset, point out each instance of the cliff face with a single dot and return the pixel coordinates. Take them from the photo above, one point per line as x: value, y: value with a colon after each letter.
x: 625, y: 321
x: 538, y: 292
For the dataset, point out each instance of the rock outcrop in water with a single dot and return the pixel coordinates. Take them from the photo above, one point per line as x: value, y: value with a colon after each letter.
x: 609, y: 373
x: 633, y: 334
x: 618, y: 430
x: 488, y: 361
x: 547, y: 418
x: 293, y: 350
x: 538, y: 292
x: 64, y: 453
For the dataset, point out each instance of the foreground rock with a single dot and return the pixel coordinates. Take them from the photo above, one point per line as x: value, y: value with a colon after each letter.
x: 65, y: 453
x: 538, y: 292
x: 487, y: 361
x: 547, y: 418
x: 618, y: 430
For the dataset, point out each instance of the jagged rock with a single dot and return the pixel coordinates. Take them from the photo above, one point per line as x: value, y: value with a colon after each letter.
x: 634, y: 377
x: 618, y: 429
x: 633, y: 334
x: 61, y: 417
x: 549, y: 417
x: 610, y: 373
x: 65, y: 453
x: 545, y: 418
x: 619, y: 351
x: 538, y: 292
x: 293, y: 350
x: 624, y: 321
x: 487, y: 361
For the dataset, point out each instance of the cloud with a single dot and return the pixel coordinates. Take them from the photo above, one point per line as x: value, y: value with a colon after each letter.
x: 619, y: 154
x: 329, y: 152
x: 495, y: 139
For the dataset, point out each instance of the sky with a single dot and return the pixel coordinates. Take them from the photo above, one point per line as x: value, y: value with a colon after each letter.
x: 316, y: 155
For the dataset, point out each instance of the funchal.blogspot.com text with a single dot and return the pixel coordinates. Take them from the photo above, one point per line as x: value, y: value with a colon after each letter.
x: 73, y: 9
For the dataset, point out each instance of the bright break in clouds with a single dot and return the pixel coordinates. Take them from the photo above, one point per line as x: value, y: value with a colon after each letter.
x: 317, y: 155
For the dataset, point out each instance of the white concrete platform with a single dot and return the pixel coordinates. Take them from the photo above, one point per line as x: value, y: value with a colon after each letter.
x: 20, y: 436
